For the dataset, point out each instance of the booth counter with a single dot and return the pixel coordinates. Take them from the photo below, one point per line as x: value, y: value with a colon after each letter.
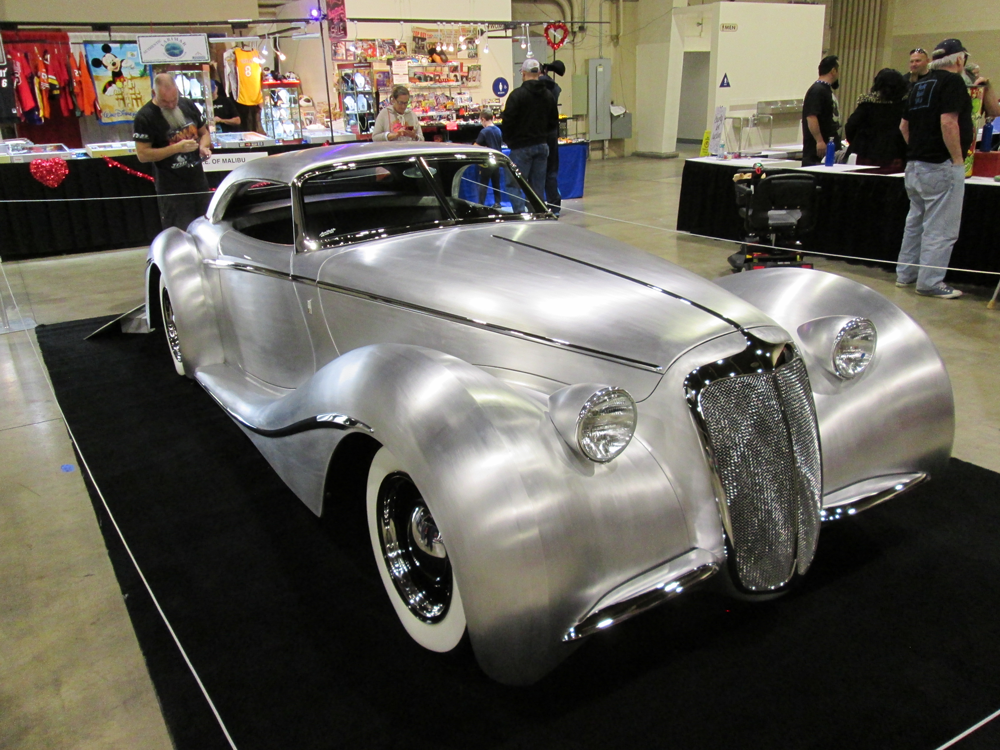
x: 861, y: 214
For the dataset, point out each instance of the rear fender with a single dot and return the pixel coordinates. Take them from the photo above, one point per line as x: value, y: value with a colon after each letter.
x: 174, y: 255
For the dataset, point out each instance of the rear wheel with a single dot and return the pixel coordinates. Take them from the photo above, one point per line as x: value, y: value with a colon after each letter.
x: 411, y: 557
x: 170, y: 329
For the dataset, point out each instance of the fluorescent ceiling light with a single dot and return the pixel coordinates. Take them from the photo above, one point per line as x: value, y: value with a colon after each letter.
x: 214, y: 39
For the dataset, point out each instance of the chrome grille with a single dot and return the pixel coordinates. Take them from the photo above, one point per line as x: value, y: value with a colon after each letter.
x: 762, y: 435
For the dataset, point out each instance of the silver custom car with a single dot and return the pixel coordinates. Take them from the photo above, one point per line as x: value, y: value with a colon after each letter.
x: 550, y: 431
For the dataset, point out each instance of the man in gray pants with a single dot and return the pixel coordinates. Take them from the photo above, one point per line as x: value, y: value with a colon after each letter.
x: 938, y: 130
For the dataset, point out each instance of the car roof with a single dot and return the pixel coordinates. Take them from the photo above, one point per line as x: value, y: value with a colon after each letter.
x: 284, y: 168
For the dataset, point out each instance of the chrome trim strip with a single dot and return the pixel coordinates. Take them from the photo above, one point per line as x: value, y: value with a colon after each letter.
x: 319, y: 422
x: 451, y: 317
x: 867, y: 494
x: 643, y: 593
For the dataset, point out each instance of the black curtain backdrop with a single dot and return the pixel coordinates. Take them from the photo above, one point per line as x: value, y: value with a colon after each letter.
x: 860, y: 215
x: 892, y: 640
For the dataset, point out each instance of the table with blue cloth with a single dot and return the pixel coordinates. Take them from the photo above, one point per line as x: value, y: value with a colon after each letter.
x: 572, y: 174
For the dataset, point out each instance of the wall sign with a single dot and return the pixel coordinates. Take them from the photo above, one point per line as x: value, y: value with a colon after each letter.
x: 222, y: 162
x: 172, y: 48
x: 725, y: 81
x: 501, y: 87
x: 729, y: 27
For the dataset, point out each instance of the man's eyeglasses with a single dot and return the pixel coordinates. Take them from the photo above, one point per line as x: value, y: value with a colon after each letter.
x: 921, y: 50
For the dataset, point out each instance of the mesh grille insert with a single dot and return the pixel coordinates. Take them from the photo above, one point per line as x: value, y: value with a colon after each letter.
x: 761, y: 429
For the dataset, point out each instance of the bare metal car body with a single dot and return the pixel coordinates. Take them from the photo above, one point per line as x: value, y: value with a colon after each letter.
x: 454, y: 345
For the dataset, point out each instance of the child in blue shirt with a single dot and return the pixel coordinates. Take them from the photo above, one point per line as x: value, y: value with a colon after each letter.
x: 490, y: 137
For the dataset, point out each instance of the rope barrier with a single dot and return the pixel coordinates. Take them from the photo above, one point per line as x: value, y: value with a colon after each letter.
x: 520, y: 197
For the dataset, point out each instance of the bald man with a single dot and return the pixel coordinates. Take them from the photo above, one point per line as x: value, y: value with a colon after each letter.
x: 171, y: 133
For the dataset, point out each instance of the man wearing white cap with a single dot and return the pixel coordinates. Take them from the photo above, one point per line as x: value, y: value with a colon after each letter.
x: 528, y: 118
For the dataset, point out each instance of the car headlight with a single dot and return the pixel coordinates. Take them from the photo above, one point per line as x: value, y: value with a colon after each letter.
x: 597, y: 421
x: 854, y: 347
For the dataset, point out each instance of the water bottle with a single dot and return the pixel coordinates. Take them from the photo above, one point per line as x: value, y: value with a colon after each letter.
x: 987, y: 143
x: 831, y: 151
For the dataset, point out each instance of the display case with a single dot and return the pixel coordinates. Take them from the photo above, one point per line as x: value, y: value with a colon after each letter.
x: 195, y: 83
x: 280, y: 113
x: 113, y: 148
x: 358, y: 96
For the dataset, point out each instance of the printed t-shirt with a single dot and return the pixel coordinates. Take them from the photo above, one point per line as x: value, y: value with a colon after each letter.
x: 248, y: 74
x: 8, y: 99
x: 937, y: 93
x: 180, y: 173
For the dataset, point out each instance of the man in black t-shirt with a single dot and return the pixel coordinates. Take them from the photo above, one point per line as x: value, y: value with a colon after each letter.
x: 821, y: 113
x: 937, y: 126
x: 171, y: 133
x: 227, y: 117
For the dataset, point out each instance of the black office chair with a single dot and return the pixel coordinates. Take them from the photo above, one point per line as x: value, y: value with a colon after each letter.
x: 779, y: 209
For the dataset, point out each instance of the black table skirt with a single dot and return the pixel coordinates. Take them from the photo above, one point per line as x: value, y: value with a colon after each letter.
x: 860, y: 215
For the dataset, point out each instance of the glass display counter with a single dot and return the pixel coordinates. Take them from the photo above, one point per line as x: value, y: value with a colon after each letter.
x: 280, y: 114
x: 358, y: 98
x: 241, y: 140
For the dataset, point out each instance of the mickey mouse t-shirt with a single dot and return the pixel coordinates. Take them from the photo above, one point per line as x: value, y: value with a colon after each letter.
x: 180, y: 173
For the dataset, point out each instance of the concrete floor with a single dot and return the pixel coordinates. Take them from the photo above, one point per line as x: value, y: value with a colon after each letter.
x: 71, y: 673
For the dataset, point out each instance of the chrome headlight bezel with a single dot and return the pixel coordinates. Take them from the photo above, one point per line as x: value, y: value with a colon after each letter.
x: 854, y: 348
x: 596, y: 421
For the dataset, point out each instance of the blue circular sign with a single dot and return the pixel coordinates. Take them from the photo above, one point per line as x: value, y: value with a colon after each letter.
x: 174, y: 49
x: 500, y: 87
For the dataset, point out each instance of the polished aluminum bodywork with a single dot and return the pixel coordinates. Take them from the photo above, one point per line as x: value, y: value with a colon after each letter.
x: 445, y: 344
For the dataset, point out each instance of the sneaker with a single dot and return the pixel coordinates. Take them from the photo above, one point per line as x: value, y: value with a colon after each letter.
x: 902, y: 284
x: 941, y: 291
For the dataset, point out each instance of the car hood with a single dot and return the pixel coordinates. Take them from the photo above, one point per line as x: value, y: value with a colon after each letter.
x: 546, y: 281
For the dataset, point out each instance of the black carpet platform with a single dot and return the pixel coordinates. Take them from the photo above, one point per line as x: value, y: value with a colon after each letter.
x: 893, y: 640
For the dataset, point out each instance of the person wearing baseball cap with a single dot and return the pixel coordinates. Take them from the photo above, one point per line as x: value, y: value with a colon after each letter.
x: 529, y: 115
x: 938, y: 130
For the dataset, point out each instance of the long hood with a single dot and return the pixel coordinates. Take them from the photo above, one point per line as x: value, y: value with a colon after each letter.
x: 547, y: 281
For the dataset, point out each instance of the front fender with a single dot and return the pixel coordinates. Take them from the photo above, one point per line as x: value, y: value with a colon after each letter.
x: 174, y: 255
x: 898, y: 417
x: 537, y: 534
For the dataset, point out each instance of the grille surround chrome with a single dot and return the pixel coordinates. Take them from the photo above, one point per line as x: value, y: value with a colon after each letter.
x: 758, y: 426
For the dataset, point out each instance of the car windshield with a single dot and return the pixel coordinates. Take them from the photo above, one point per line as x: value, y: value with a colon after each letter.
x: 347, y: 203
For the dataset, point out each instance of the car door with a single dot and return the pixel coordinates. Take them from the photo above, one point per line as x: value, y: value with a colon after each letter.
x: 268, y: 336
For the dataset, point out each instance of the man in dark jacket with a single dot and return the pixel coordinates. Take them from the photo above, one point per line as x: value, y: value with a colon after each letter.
x: 528, y: 118
x: 552, y: 195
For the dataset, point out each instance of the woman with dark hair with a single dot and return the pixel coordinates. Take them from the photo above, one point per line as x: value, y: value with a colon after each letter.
x: 873, y: 128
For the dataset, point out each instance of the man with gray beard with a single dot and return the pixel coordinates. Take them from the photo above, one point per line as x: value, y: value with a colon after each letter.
x: 172, y: 134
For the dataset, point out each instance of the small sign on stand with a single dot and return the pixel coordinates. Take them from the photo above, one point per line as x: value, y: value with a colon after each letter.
x: 718, y: 130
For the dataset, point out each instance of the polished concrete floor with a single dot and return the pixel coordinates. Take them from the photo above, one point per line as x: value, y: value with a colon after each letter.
x: 71, y: 673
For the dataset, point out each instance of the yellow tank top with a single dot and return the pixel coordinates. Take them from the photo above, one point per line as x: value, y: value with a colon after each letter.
x: 248, y: 74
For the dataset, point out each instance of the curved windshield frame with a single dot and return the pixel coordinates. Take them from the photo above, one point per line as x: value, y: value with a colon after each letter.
x: 366, y: 200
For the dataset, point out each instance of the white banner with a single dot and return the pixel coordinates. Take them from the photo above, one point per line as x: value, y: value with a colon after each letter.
x: 223, y: 162
x: 172, y: 48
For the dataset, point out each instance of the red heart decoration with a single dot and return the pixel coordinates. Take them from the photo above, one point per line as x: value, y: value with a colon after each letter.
x: 558, y: 26
x: 49, y: 172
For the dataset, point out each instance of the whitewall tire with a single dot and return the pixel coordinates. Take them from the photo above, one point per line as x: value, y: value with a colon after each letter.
x: 411, y: 557
x: 170, y: 329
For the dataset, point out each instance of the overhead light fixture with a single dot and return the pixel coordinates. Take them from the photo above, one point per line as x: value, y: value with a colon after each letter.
x: 315, y: 13
x: 306, y: 35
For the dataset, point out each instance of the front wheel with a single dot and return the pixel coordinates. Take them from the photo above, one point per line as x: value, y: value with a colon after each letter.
x: 412, y: 557
x: 170, y: 328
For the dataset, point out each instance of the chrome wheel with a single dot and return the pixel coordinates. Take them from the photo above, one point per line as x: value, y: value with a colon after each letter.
x: 412, y: 557
x: 170, y: 328
x: 413, y: 549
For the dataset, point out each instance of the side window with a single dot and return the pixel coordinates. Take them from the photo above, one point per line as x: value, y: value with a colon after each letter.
x: 263, y: 210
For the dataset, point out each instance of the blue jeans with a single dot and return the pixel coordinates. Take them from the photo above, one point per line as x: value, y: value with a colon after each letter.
x: 530, y: 161
x: 936, y: 192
